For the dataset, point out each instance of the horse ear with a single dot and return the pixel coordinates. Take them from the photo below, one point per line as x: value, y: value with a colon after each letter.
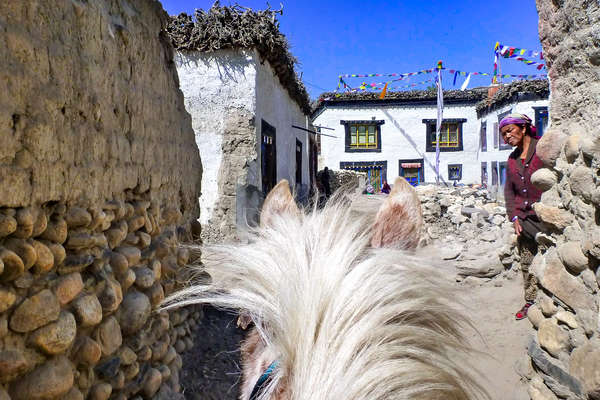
x: 278, y: 201
x: 399, y: 221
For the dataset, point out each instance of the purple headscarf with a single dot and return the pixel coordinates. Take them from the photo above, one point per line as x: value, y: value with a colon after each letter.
x: 518, y: 119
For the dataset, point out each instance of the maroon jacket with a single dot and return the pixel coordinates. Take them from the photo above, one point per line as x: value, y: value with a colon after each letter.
x: 519, y: 193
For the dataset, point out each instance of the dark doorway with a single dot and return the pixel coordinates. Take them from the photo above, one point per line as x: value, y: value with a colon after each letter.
x: 268, y: 157
x: 298, y: 162
x: 313, y: 161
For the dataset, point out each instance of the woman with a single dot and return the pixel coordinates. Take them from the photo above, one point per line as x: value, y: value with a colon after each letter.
x: 386, y: 188
x: 520, y: 194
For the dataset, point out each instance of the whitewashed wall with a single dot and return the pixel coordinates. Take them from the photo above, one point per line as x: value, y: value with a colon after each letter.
x: 214, y: 85
x: 218, y: 84
x: 276, y: 107
x: 495, y: 154
x: 403, y: 136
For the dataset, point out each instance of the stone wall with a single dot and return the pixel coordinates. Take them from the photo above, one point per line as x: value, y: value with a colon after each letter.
x: 99, y: 181
x: 348, y: 181
x: 565, y: 348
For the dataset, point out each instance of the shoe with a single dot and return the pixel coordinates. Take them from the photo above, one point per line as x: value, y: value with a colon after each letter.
x: 522, y: 313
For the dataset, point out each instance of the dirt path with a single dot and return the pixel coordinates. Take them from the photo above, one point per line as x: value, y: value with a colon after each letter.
x: 491, y: 305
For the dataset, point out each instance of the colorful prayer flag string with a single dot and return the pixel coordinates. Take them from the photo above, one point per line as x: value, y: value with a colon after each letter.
x: 517, y: 51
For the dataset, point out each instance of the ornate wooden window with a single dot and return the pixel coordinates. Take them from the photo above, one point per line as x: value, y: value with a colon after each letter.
x: 363, y: 136
x: 451, y: 134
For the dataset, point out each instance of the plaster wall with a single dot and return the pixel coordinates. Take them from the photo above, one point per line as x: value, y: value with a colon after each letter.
x: 215, y: 85
x: 403, y: 136
x: 274, y: 105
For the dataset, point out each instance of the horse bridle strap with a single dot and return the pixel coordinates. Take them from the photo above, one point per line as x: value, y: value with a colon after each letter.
x: 262, y: 381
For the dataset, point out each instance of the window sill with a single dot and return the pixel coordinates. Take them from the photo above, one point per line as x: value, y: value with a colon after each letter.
x: 358, y: 150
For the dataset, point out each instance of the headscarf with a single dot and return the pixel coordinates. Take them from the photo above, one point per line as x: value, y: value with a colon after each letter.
x: 518, y: 119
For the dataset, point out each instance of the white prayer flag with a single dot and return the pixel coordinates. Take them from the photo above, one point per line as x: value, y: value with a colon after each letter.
x: 466, y: 82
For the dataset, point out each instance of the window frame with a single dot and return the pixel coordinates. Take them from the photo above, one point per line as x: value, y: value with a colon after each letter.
x: 430, y: 129
x: 348, y: 148
x: 538, y: 118
x: 501, y: 144
x: 483, y: 136
x: 460, y: 168
x: 494, y: 173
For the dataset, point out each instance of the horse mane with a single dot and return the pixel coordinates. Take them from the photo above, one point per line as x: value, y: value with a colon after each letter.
x: 345, y: 320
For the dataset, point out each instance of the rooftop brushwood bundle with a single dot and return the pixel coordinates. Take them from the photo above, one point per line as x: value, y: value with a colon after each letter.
x: 237, y: 27
x: 517, y: 90
x: 475, y: 94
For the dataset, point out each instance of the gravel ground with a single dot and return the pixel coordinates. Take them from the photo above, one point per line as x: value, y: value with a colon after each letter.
x: 211, y: 369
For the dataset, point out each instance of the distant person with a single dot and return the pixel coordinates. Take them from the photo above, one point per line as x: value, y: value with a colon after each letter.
x: 386, y: 188
x: 325, y: 182
x: 370, y: 189
x: 520, y: 194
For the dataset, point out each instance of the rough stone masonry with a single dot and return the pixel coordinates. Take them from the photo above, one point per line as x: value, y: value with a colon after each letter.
x: 565, y: 346
x: 99, y: 181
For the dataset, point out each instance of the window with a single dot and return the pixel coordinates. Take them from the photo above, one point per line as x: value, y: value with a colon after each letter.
x: 363, y: 136
x: 454, y: 172
x: 451, y: 134
x: 484, y: 174
x: 502, y: 172
x: 483, y: 136
x: 494, y: 173
x: 448, y: 135
x: 412, y: 170
x: 501, y: 144
x: 541, y: 119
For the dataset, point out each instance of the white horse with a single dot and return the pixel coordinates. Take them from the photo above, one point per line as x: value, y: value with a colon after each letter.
x: 343, y: 309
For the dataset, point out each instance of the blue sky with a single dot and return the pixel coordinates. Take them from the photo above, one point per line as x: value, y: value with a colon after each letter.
x: 333, y: 37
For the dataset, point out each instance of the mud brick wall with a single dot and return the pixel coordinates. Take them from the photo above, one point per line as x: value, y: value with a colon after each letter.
x: 99, y: 181
x: 565, y: 348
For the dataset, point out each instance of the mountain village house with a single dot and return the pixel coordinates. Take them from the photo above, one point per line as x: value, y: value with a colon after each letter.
x: 249, y: 112
x: 395, y: 136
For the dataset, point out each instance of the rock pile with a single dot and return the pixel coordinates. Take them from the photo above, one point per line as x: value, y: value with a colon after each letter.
x: 469, y: 228
x: 349, y: 181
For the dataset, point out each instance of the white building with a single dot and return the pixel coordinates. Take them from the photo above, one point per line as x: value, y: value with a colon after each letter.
x: 250, y: 118
x: 396, y: 136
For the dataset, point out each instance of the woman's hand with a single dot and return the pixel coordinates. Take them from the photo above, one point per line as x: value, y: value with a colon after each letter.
x: 517, y: 226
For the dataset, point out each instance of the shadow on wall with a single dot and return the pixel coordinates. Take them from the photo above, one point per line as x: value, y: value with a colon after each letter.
x: 229, y: 62
x: 413, y: 144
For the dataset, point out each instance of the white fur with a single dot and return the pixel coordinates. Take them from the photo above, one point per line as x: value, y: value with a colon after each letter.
x: 347, y: 322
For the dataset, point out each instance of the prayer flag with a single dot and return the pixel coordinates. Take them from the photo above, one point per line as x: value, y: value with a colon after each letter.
x: 440, y: 116
x: 383, y: 92
x: 466, y: 82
